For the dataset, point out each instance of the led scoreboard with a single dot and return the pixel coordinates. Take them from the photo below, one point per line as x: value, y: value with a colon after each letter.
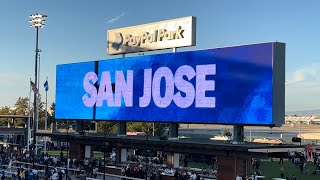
x: 232, y: 85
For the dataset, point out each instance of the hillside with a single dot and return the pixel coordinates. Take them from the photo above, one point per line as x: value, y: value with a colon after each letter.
x: 304, y: 112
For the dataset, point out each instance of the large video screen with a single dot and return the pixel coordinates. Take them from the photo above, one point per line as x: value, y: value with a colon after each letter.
x: 232, y: 85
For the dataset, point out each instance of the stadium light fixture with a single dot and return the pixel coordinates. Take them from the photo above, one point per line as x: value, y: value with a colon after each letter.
x: 36, y: 21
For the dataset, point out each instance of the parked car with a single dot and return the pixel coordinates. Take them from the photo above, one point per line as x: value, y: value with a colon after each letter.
x: 219, y: 137
x: 269, y: 141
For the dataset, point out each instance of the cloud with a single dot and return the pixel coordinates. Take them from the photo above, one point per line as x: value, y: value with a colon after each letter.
x: 303, y: 87
x: 305, y: 81
x: 116, y: 18
x: 307, y: 73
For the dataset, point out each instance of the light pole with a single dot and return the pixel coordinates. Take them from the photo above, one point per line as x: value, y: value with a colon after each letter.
x: 250, y: 134
x: 46, y: 88
x: 67, y: 150
x: 153, y: 129
x: 36, y: 21
x: 104, y: 151
x: 299, y: 127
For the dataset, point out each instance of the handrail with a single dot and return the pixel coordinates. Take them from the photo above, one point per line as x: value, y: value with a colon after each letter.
x: 69, y: 169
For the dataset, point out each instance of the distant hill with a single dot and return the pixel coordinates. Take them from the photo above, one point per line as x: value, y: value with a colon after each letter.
x: 304, y: 112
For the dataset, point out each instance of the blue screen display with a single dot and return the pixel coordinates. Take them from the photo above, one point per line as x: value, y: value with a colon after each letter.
x: 230, y: 85
x: 69, y: 90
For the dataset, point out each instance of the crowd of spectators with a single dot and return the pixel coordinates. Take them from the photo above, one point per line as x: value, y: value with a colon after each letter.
x: 154, y: 171
x: 153, y: 168
x: 301, y: 158
x: 43, y: 166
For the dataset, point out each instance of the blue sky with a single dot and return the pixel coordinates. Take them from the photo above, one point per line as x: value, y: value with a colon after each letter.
x: 76, y: 31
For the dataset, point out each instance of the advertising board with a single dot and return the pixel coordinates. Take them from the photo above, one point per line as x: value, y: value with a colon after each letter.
x: 180, y: 32
x: 232, y: 85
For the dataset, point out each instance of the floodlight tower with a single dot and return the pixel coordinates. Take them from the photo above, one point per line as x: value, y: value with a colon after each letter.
x: 36, y: 21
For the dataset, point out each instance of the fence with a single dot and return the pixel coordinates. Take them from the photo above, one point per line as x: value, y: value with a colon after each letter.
x: 73, y: 173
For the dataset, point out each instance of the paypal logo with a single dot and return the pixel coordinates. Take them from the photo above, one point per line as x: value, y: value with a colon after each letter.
x: 116, y: 41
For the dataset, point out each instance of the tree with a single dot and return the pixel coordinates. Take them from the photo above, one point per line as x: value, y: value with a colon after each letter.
x: 226, y: 132
x: 51, y: 113
x: 109, y: 127
x: 159, y: 128
x: 5, y: 111
x: 135, y: 127
x: 42, y: 110
x: 147, y: 128
x: 21, y: 108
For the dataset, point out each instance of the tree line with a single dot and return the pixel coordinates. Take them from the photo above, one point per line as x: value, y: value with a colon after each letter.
x: 21, y: 107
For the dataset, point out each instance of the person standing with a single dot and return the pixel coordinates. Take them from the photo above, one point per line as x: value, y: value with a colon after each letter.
x: 282, y: 172
x: 3, y: 175
x: 26, y: 174
x: 30, y: 174
x: 185, y: 161
x: 54, y: 176
x: 281, y: 160
x: 113, y: 157
x: 176, y: 175
x: 60, y: 175
x: 193, y: 176
x: 95, y: 171
x: 301, y: 166
x: 35, y: 174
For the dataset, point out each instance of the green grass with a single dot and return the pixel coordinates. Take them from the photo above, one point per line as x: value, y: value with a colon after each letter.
x: 96, y: 154
x: 55, y: 152
x: 272, y: 169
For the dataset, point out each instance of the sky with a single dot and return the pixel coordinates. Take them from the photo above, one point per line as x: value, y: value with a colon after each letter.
x: 76, y: 31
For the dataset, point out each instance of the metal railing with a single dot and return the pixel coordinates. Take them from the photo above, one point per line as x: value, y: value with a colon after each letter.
x: 73, y: 173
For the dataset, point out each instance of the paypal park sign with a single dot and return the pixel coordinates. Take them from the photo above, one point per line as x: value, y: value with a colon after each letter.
x: 232, y: 85
x: 172, y: 33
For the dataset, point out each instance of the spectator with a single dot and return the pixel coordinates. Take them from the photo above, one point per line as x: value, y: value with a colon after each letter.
x: 14, y: 177
x: 54, y: 176
x: 301, y: 167
x: 176, y: 175
x: 282, y: 172
x: 60, y: 175
x: 24, y: 174
x: 113, y: 157
x: 3, y: 175
x: 281, y: 160
x: 198, y: 177
x: 95, y: 171
x: 193, y: 176
x: 185, y: 161
x: 29, y: 174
